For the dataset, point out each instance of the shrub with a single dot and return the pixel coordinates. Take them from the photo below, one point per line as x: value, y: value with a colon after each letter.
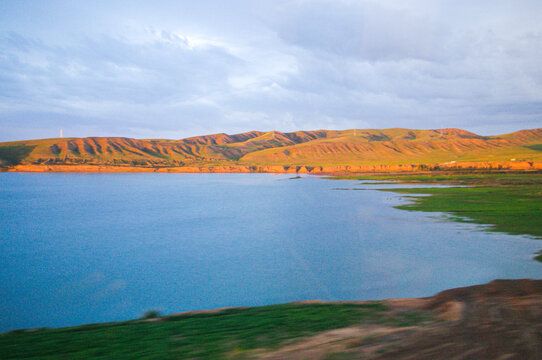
x: 151, y: 314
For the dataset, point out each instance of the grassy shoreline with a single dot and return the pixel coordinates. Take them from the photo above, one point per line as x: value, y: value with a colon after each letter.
x: 230, y: 333
x: 508, y: 202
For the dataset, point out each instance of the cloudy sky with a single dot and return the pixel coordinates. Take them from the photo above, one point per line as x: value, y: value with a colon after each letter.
x: 172, y: 69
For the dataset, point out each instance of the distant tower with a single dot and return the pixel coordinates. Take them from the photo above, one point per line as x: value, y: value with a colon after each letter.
x: 61, y: 134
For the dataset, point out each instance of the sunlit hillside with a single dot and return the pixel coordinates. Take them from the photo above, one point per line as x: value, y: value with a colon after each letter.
x: 322, y: 147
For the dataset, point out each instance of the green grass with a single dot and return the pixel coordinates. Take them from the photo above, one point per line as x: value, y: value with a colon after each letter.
x: 229, y: 334
x: 13, y: 155
x: 492, y: 178
x: 508, y: 202
x: 511, y: 209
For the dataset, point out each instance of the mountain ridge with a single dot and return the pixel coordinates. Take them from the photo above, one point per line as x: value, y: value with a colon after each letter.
x: 394, y: 146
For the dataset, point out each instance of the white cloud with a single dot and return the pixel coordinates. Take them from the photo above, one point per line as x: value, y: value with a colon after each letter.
x: 180, y: 68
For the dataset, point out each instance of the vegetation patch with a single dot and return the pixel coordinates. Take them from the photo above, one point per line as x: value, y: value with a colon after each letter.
x: 509, y: 202
x: 536, y: 147
x: 514, y: 209
x: 230, y: 333
x: 479, y: 178
x: 14, y: 155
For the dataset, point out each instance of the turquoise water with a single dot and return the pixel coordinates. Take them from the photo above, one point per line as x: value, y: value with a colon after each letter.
x: 82, y: 248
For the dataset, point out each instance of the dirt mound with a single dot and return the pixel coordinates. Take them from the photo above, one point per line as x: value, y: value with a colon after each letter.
x: 499, y: 320
x: 496, y: 289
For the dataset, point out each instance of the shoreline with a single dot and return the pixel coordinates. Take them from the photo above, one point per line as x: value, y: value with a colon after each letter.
x: 287, y: 169
x: 507, y: 287
x: 465, y: 321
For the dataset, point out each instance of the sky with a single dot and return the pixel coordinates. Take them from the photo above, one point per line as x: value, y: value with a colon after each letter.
x: 174, y: 69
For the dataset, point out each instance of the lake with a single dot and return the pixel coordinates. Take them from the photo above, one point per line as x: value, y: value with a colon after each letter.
x: 83, y: 248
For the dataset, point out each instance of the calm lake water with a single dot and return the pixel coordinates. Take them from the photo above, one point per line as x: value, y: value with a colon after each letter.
x: 81, y: 248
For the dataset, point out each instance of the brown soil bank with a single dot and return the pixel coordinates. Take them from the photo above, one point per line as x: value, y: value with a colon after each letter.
x: 489, y: 165
x: 499, y: 320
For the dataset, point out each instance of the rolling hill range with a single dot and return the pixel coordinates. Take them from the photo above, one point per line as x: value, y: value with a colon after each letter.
x: 301, y: 148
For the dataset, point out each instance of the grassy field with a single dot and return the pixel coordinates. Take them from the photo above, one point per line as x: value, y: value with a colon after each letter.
x: 231, y: 333
x: 509, y: 202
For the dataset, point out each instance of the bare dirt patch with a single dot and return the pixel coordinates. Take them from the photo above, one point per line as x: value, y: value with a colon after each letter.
x: 499, y: 320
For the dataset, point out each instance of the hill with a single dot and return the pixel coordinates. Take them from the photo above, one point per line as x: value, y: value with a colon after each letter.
x: 327, y: 148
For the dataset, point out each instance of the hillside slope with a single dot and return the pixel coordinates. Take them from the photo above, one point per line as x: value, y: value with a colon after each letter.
x: 403, y: 146
x: 301, y: 148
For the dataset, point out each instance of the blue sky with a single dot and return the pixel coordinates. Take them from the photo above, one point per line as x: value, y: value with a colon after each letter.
x: 173, y: 69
